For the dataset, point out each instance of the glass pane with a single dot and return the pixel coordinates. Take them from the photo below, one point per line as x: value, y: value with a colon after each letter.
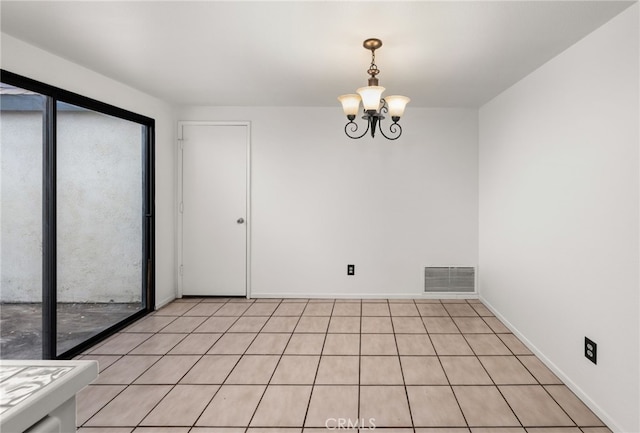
x: 21, y: 132
x: 100, y: 222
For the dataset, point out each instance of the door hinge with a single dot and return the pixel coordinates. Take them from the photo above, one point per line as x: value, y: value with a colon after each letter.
x: 181, y: 270
x: 181, y: 207
x: 181, y: 143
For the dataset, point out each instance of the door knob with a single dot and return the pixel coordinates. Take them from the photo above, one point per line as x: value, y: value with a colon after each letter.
x: 240, y: 221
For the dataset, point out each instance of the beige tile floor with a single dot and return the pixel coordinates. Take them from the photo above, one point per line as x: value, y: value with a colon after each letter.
x: 297, y: 366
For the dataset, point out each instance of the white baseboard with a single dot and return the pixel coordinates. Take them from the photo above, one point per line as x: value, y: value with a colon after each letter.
x: 603, y: 415
x: 366, y: 295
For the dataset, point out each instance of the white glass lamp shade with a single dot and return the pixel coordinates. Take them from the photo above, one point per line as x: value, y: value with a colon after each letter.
x: 371, y: 96
x: 350, y: 104
x: 396, y: 104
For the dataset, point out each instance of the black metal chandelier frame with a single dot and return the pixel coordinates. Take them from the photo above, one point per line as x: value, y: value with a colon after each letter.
x: 374, y: 119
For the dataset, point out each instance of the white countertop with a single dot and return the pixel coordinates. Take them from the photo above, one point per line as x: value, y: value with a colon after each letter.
x: 29, y: 390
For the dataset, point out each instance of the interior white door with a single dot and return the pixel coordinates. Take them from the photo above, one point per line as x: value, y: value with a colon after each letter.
x: 214, y: 209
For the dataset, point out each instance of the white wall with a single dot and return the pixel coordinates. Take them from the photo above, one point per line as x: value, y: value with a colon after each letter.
x: 22, y: 58
x: 559, y: 221
x: 321, y: 201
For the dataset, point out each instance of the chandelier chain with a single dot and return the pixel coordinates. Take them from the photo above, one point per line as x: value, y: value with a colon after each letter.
x: 373, y: 68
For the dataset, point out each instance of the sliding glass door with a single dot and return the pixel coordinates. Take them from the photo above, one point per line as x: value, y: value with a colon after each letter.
x: 93, y: 203
x: 99, y: 204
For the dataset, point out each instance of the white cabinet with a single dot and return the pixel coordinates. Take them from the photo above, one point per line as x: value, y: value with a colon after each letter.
x: 40, y: 396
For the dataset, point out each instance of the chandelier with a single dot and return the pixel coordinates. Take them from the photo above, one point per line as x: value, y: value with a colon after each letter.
x: 374, y: 105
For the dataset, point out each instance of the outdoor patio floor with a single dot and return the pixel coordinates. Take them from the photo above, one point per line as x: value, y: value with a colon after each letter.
x: 21, y: 325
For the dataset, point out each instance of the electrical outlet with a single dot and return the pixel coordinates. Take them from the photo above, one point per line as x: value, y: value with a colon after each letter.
x: 590, y: 350
x: 351, y: 269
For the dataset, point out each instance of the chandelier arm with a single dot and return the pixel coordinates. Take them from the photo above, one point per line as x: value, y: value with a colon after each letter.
x: 384, y: 108
x: 394, y: 128
x: 354, y: 128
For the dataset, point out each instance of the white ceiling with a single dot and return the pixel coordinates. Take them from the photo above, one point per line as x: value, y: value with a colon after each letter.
x: 305, y: 53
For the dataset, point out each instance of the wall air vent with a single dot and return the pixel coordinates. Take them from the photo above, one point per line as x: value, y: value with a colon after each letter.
x: 450, y: 279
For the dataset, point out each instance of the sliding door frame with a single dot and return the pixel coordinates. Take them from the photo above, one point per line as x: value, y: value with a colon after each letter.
x: 53, y: 95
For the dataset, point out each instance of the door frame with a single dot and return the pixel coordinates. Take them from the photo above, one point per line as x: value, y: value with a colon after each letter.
x: 179, y: 199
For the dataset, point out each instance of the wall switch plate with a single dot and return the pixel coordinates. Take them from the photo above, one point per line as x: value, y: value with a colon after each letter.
x: 590, y: 350
x: 351, y: 269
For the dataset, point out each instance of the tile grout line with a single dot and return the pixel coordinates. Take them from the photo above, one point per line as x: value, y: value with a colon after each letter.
x: 404, y: 383
x: 126, y: 386
x: 450, y: 386
x: 205, y: 354
x: 236, y: 363
x: 230, y: 370
x: 189, y: 369
x: 393, y: 329
x: 492, y: 379
x: 276, y: 366
x: 272, y: 373
x: 561, y: 407
x: 166, y: 354
x: 315, y: 377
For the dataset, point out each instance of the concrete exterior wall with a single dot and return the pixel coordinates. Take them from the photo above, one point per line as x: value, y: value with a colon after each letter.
x: 99, y: 220
x: 21, y: 207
